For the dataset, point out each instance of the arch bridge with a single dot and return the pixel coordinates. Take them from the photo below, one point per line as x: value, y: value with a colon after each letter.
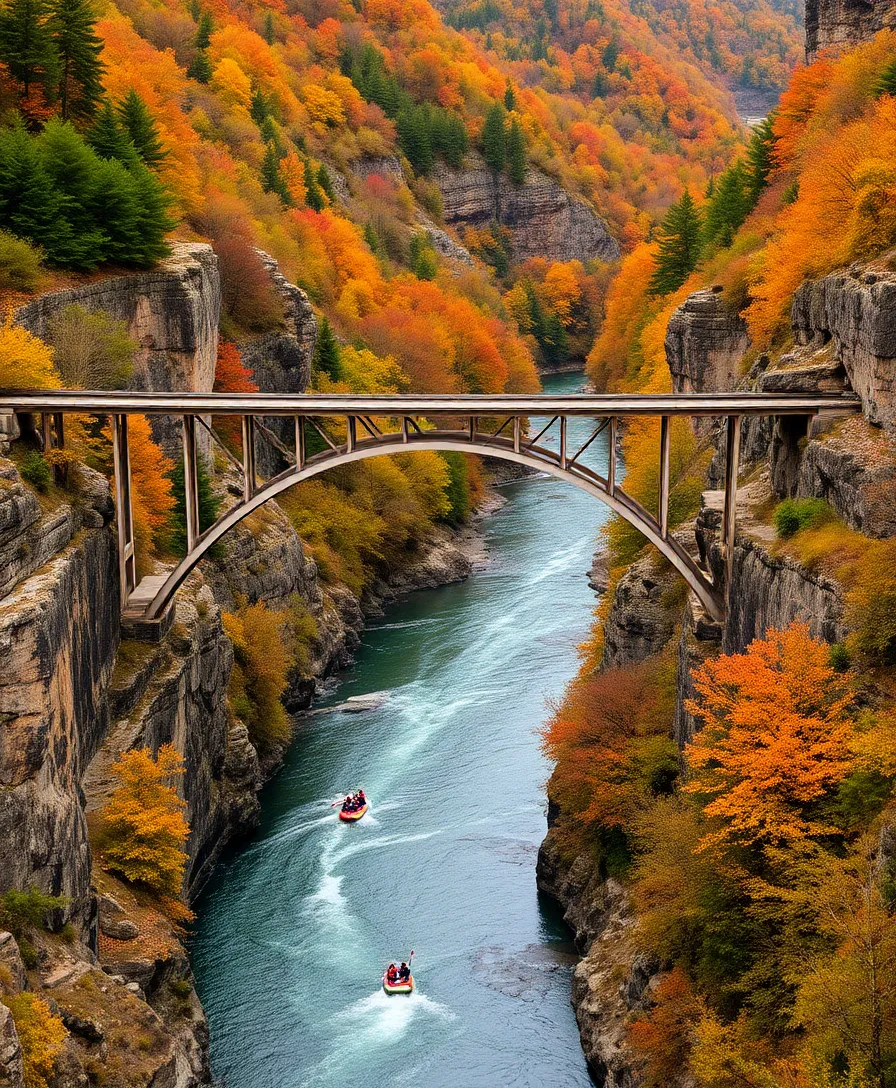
x: 342, y: 429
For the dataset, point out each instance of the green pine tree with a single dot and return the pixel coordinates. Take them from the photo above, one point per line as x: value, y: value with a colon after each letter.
x: 414, y: 139
x: 200, y: 68
x: 494, y: 138
x: 371, y: 239
x: 141, y: 127
x: 268, y: 30
x: 30, y: 204
x: 26, y: 44
x: 516, y: 154
x: 509, y: 97
x: 679, y: 246
x: 323, y: 180
x: 423, y: 259
x: 203, y: 36
x: 271, y: 135
x: 760, y: 157
x: 259, y: 107
x: 314, y: 198
x: 207, y: 502
x: 154, y: 202
x: 109, y: 138
x: 78, y: 48
x: 272, y: 180
x: 610, y: 55
x: 886, y: 84
x: 728, y: 208
x: 326, y: 358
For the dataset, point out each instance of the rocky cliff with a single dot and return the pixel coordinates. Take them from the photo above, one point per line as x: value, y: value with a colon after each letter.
x: 845, y: 338
x: 832, y: 24
x: 543, y: 218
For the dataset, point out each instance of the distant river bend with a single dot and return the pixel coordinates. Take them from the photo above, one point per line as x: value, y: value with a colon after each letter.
x: 296, y: 928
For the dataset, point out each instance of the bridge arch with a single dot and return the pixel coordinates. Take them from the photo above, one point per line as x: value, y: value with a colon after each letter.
x: 540, y: 458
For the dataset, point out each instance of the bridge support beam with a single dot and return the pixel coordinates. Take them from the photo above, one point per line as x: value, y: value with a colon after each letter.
x: 124, y: 509
x: 729, y: 516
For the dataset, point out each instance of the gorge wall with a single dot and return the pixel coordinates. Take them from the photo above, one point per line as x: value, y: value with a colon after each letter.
x: 844, y: 332
x: 75, y: 694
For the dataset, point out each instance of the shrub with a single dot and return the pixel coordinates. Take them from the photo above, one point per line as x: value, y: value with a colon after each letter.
x: 41, y: 1035
x: 839, y: 658
x: 21, y: 910
x: 92, y: 350
x: 144, y: 825
x: 793, y: 515
x: 35, y: 471
x: 26, y: 362
x: 19, y: 264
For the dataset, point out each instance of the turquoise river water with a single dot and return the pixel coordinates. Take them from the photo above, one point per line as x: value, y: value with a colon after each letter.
x: 296, y: 928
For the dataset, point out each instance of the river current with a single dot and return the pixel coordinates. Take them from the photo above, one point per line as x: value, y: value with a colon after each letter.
x: 296, y: 928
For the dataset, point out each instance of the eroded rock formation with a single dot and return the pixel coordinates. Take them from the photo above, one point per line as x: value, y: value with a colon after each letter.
x: 543, y: 218
x: 843, y: 23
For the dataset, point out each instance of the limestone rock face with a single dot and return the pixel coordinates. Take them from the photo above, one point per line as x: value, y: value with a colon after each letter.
x: 280, y: 361
x: 58, y: 636
x: 640, y: 622
x: 767, y: 590
x: 855, y: 309
x: 171, y: 311
x: 705, y: 344
x: 12, y: 1073
x: 543, y: 218
x: 832, y: 23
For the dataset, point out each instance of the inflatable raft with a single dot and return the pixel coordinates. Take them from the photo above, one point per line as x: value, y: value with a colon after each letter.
x: 398, y: 987
x: 350, y: 817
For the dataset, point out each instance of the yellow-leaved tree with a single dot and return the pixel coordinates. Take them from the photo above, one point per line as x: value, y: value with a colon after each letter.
x: 145, y: 826
x: 26, y: 362
x: 258, y: 677
x: 41, y: 1035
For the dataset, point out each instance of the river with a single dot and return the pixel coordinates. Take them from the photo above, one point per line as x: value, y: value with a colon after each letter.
x: 295, y: 929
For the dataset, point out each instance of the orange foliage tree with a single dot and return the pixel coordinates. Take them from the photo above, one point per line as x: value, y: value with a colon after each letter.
x: 144, y: 825
x: 151, y: 494
x: 775, y: 738
x: 231, y: 376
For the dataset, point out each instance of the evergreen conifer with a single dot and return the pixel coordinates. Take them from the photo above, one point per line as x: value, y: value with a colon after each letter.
x: 109, y: 138
x: 516, y: 154
x: 259, y: 108
x: 200, y: 68
x: 326, y: 185
x: 78, y: 49
x: 268, y: 30
x: 272, y: 180
x: 886, y: 84
x: 760, y: 161
x: 509, y: 97
x: 326, y: 351
x: 494, y: 138
x: 728, y: 208
x: 142, y: 129
x: 679, y: 246
x: 203, y: 37
x: 207, y: 502
x: 314, y: 198
x: 26, y: 44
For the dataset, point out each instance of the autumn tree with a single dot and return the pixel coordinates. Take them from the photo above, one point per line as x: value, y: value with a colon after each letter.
x: 145, y: 830
x: 26, y: 362
x: 231, y: 376
x: 41, y: 1034
x: 258, y: 678
x: 680, y: 247
x: 775, y: 739
x: 152, y: 498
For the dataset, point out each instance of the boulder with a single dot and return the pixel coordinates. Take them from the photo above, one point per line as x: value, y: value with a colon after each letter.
x: 12, y: 1073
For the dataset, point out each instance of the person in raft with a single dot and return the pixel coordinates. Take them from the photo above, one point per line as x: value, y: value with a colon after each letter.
x: 354, y: 801
x: 391, y: 974
x: 361, y: 799
x: 404, y: 972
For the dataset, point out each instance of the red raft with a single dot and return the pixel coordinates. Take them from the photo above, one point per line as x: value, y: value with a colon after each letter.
x: 406, y: 987
x: 350, y: 817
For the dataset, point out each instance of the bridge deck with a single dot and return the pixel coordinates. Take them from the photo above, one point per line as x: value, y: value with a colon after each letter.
x: 279, y: 404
